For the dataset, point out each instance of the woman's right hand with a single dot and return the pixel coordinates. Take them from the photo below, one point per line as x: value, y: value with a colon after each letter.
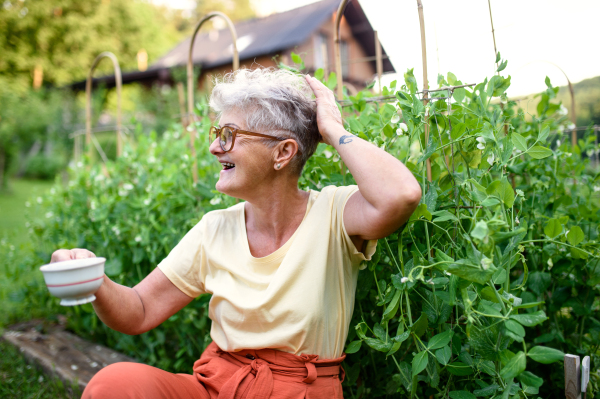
x: 61, y: 255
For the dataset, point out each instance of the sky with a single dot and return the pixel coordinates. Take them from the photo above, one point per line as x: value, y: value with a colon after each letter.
x: 537, y: 37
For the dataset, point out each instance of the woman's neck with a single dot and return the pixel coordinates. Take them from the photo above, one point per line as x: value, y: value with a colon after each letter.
x: 273, y: 217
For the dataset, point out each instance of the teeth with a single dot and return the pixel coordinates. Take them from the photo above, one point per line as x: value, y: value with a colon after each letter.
x: 228, y: 165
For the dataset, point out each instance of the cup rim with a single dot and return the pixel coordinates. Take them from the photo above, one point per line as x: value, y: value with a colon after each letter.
x: 72, y: 264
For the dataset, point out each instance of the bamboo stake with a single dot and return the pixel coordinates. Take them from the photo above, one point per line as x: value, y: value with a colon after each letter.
x: 181, y: 95
x: 190, y: 81
x: 379, y: 61
x: 336, y: 45
x: 88, y: 100
x: 425, y: 82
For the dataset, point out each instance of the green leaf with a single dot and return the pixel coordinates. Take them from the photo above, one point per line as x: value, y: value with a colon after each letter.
x: 419, y: 362
x: 503, y: 190
x: 545, y: 355
x: 530, y: 379
x: 530, y: 319
x: 420, y: 325
x: 514, y: 327
x: 443, y: 355
x: 353, y: 347
x: 544, y: 134
x: 519, y: 141
x: 461, y: 395
x: 439, y: 340
x: 443, y: 216
x: 497, y: 57
x: 514, y: 367
x: 480, y: 231
x: 463, y: 269
x: 575, y: 235
x: 553, y: 228
x: 331, y: 81
x: 539, y: 152
x: 421, y: 211
x: 296, y: 58
x: 459, y: 368
x: 502, y: 66
x: 319, y: 73
x: 113, y: 266
x: 487, y: 391
x: 388, y: 131
x: 459, y: 94
x: 379, y: 345
x: 392, y: 307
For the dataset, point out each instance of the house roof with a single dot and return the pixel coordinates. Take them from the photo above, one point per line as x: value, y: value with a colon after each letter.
x: 259, y: 36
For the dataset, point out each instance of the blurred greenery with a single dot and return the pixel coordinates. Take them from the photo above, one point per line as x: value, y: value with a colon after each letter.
x: 21, y: 380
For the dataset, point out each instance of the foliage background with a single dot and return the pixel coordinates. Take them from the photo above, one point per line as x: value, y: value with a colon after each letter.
x: 480, y: 294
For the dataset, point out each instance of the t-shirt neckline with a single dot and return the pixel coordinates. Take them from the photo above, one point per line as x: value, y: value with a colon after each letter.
x: 279, y: 252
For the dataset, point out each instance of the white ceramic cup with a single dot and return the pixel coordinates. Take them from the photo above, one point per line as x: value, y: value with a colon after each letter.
x: 74, y: 281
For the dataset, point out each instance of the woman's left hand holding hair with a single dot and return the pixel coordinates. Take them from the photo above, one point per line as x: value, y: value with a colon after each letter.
x: 388, y: 191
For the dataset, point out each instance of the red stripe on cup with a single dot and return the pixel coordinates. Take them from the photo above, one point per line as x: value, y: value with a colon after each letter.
x: 79, y: 282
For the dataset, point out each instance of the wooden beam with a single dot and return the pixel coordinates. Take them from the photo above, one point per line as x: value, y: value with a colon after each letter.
x: 572, y: 377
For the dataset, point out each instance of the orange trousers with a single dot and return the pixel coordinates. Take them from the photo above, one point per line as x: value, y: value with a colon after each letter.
x: 247, y: 374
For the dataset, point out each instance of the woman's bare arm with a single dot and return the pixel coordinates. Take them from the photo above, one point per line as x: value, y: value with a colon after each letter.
x: 388, y: 192
x: 132, y: 310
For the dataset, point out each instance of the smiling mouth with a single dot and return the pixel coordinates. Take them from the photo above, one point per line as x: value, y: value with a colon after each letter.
x: 227, y: 166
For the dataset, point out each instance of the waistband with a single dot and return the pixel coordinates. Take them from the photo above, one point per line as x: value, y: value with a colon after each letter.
x: 265, y: 363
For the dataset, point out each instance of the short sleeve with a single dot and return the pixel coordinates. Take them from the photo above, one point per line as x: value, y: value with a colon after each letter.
x: 185, y: 265
x: 340, y: 199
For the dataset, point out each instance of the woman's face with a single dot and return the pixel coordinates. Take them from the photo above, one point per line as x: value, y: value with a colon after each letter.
x: 252, y: 161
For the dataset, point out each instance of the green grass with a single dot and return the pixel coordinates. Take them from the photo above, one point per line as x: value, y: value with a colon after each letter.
x: 13, y: 209
x: 22, y: 296
x: 20, y: 380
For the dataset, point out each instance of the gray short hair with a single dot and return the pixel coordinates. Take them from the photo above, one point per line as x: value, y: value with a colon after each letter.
x: 276, y: 101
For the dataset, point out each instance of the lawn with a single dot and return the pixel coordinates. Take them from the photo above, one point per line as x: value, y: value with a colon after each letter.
x: 18, y: 379
x: 13, y: 208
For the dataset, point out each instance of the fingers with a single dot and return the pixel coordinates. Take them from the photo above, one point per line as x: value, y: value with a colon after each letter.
x: 62, y: 255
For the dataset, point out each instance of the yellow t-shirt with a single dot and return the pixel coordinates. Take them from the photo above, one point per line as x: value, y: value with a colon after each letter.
x: 299, y: 299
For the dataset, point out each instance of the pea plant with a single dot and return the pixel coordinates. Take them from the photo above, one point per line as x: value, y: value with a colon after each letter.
x: 495, y: 276
x: 480, y: 294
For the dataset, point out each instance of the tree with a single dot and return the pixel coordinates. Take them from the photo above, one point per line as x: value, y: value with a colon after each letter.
x: 55, y: 42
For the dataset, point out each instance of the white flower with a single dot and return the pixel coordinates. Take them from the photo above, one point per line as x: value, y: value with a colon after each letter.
x: 480, y: 140
x: 138, y: 238
x: 395, y: 118
x: 402, y: 128
x: 39, y: 200
x: 517, y: 220
x: 74, y: 367
x: 490, y: 159
x: 49, y: 215
x: 41, y: 379
x: 99, y: 177
x: 571, y: 126
x: 27, y: 204
x: 215, y: 201
x: 151, y: 159
x: 520, y: 192
x: 93, y: 205
x: 147, y: 201
x: 128, y: 186
x: 52, y: 191
x: 404, y: 279
x: 327, y: 154
x: 560, y: 129
x: 123, y: 193
x: 481, y: 146
x: 596, y: 189
x: 79, y: 164
x: 550, y: 263
x: 563, y: 110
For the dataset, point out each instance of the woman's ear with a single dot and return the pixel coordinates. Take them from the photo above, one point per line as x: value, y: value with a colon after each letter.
x: 284, y: 153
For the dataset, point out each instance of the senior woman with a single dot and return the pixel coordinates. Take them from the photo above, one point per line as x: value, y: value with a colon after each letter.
x: 281, y: 266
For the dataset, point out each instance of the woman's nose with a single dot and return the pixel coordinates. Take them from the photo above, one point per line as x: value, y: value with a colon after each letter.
x: 215, y: 147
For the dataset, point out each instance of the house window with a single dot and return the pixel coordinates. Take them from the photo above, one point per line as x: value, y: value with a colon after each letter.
x: 320, y: 51
x: 345, y: 55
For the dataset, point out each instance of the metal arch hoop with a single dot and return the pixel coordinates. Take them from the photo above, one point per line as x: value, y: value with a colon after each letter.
x: 338, y: 53
x: 88, y: 100
x: 190, y: 78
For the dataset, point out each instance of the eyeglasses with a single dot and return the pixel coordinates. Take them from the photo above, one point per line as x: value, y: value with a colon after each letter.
x: 227, y: 134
